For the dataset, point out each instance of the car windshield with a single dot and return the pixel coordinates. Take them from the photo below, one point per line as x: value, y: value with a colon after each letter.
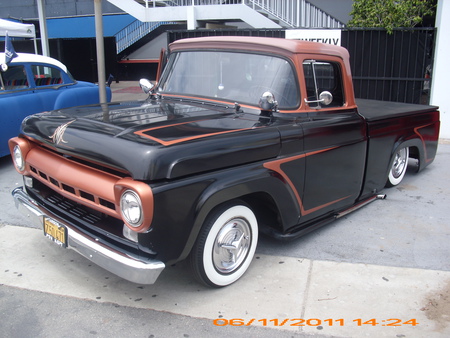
x: 237, y: 77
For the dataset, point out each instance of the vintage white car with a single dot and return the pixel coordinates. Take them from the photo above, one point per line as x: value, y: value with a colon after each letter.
x: 33, y: 84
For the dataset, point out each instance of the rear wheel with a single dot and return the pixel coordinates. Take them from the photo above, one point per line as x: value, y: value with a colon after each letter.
x: 398, y: 167
x: 225, y: 246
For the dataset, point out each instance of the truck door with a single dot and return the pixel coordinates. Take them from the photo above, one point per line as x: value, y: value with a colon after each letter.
x: 334, y: 140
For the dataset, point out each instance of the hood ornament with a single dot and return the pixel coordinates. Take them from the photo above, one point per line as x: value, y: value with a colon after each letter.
x: 57, y: 136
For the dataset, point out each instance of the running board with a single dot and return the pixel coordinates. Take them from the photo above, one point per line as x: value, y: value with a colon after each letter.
x: 302, y: 230
x: 360, y: 205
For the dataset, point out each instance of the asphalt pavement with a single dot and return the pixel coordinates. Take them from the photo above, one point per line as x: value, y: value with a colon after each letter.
x: 382, y: 271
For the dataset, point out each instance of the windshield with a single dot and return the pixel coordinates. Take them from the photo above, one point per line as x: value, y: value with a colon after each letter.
x: 237, y: 77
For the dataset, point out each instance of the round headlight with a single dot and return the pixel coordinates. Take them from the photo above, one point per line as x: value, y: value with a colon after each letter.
x: 131, y: 208
x: 18, y: 158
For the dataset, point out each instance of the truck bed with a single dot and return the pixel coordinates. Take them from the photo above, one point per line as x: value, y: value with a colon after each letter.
x: 374, y: 110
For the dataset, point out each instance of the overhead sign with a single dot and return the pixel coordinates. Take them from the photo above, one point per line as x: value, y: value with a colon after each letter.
x: 330, y: 36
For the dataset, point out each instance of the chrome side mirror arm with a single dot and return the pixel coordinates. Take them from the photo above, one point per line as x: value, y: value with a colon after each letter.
x: 325, y: 98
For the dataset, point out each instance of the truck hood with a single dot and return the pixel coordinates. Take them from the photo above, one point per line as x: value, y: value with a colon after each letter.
x: 156, y: 139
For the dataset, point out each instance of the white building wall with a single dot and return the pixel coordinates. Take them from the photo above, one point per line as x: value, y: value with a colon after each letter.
x: 440, y: 87
x: 151, y: 50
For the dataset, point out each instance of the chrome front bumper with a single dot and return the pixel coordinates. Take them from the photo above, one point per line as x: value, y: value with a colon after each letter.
x: 118, y: 263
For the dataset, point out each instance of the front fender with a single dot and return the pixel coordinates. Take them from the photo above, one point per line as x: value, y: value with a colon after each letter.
x: 182, y: 206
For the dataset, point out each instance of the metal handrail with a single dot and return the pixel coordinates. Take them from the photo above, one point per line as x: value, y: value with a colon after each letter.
x: 296, y: 13
x: 134, y: 32
x: 293, y: 13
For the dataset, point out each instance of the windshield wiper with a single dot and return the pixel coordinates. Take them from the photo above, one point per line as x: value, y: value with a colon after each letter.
x: 207, y: 102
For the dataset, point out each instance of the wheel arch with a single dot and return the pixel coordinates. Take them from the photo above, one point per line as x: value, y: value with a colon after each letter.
x: 258, y: 195
x: 416, y: 151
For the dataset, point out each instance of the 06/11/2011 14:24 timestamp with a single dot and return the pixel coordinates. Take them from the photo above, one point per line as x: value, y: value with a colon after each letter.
x: 313, y: 322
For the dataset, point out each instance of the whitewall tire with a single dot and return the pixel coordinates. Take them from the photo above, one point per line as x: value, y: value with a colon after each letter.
x: 225, y: 246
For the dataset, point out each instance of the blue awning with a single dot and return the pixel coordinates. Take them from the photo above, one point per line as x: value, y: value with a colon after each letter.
x: 84, y: 27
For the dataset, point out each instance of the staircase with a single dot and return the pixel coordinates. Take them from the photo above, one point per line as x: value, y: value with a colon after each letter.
x: 134, y: 32
x: 295, y: 13
x: 256, y: 13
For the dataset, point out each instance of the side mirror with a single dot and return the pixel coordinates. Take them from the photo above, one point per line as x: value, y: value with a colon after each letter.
x: 267, y: 102
x: 145, y: 85
x: 325, y: 98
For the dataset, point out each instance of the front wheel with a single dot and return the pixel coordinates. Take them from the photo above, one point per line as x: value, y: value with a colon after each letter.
x: 225, y: 246
x: 398, y: 167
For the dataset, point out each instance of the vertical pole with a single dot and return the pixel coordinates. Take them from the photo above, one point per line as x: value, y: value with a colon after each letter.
x: 100, y: 50
x: 43, y: 28
x: 191, y: 20
x: 35, y: 44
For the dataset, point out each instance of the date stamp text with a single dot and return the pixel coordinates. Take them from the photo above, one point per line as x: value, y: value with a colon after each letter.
x: 314, y: 322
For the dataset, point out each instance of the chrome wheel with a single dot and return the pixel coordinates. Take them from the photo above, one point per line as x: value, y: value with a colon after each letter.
x: 231, y: 245
x: 398, y: 167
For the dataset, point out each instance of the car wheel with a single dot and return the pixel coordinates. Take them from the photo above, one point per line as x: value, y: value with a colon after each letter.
x: 398, y: 167
x: 225, y: 246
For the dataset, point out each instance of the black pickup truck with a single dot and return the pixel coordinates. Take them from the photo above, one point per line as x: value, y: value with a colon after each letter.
x: 240, y: 135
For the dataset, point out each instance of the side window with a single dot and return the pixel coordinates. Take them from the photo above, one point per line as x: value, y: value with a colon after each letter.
x: 46, y: 76
x: 14, y: 78
x: 322, y: 76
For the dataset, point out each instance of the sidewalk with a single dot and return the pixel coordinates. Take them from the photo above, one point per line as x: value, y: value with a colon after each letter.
x: 126, y: 91
x: 283, y: 293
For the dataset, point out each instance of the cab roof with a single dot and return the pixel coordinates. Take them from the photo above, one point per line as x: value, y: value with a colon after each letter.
x: 262, y: 44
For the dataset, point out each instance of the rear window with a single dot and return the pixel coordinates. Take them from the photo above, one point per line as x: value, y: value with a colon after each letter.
x: 323, y: 76
x: 46, y: 75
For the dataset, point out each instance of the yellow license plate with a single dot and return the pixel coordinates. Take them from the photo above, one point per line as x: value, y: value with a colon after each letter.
x: 55, y: 232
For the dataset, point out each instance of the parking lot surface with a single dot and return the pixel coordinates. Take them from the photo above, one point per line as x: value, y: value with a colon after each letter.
x: 382, y: 271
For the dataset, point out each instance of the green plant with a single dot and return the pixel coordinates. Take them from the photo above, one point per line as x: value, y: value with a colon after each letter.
x: 390, y: 14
